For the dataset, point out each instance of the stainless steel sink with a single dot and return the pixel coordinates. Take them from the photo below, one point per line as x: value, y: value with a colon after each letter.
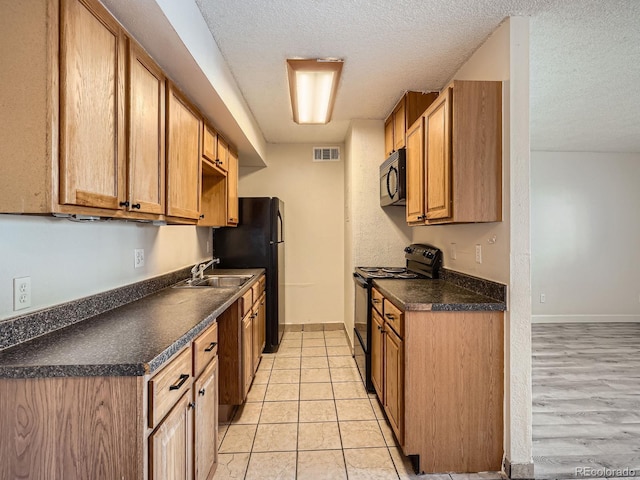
x: 215, y: 281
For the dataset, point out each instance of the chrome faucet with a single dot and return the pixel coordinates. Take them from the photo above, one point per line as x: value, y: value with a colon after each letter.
x: 197, y: 272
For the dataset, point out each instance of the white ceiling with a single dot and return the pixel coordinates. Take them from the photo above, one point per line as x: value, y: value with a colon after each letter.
x: 585, y: 60
x: 585, y: 76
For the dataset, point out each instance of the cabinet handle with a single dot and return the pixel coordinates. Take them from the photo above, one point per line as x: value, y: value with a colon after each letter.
x: 191, y: 405
x: 389, y: 316
x: 211, y: 346
x: 136, y: 205
x: 201, y: 391
x: 422, y: 217
x: 183, y: 378
x: 379, y: 327
x: 376, y: 300
x: 124, y: 204
x: 202, y: 216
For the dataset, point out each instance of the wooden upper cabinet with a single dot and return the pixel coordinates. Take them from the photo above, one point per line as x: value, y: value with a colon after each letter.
x: 438, y: 160
x: 92, y: 106
x: 209, y: 143
x: 415, y: 172
x: 399, y: 125
x: 408, y: 109
x: 146, y: 133
x: 388, y: 136
x: 232, y: 190
x: 463, y: 154
x: 222, y: 157
x: 184, y: 127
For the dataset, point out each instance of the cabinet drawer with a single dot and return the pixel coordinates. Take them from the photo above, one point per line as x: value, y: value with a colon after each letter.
x: 263, y: 284
x: 256, y: 291
x: 376, y: 300
x: 394, y: 317
x: 205, y: 348
x: 246, y: 302
x: 168, y: 385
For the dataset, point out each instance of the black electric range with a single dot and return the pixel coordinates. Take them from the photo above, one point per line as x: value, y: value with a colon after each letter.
x: 422, y: 261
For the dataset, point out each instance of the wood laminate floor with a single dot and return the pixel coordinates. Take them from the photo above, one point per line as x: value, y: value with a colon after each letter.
x: 586, y: 400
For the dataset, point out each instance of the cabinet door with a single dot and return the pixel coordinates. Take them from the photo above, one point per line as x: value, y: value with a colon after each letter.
x: 92, y: 98
x: 438, y: 157
x: 222, y: 157
x: 377, y: 346
x: 209, y: 144
x: 262, y: 322
x: 394, y: 381
x: 170, y: 445
x: 247, y: 353
x: 183, y: 157
x: 232, y: 190
x: 415, y: 173
x: 399, y: 125
x: 206, y: 422
x: 146, y: 133
x: 388, y: 136
x: 256, y: 337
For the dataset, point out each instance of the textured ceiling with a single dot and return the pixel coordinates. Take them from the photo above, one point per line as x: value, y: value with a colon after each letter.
x: 388, y: 47
x: 585, y: 60
x: 585, y: 76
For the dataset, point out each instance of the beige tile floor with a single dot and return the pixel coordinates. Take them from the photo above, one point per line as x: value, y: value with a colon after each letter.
x: 309, y: 417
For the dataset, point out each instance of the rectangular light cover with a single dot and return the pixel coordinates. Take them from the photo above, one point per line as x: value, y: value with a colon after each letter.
x: 313, y: 86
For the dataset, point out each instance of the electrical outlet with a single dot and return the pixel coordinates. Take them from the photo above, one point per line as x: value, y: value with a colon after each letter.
x: 138, y: 257
x: 478, y: 253
x: 21, y: 293
x: 543, y: 298
x: 454, y: 251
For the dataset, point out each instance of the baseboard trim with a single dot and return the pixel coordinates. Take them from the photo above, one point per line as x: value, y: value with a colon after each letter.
x: 521, y: 471
x: 585, y: 318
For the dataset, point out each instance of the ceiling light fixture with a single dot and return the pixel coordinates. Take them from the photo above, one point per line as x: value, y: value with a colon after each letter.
x: 313, y: 84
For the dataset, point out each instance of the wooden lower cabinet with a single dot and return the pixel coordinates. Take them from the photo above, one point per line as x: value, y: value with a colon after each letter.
x: 441, y: 385
x: 205, y: 396
x: 242, y: 335
x: 104, y: 428
x: 57, y: 428
x: 394, y: 381
x: 261, y: 326
x: 247, y: 353
x: 377, y: 356
x: 170, y: 445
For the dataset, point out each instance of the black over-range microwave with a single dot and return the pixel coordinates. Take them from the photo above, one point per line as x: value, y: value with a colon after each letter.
x: 393, y: 179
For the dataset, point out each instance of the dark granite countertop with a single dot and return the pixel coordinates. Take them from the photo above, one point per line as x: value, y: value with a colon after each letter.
x: 134, y: 339
x: 436, y: 295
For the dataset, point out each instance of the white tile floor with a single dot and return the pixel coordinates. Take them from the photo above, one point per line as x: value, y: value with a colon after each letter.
x: 309, y: 417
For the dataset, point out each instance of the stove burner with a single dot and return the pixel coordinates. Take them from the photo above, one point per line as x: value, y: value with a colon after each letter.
x: 406, y: 275
x: 394, y: 269
x: 380, y: 275
x: 369, y: 269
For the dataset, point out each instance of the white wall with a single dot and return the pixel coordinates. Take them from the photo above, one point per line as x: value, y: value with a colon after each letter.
x: 70, y: 260
x: 585, y: 255
x: 374, y: 236
x: 313, y: 193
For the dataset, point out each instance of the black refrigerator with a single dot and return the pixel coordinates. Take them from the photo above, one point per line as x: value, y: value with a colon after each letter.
x: 258, y: 242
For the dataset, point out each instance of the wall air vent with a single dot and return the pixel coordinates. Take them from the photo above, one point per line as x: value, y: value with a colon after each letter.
x: 326, y: 154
